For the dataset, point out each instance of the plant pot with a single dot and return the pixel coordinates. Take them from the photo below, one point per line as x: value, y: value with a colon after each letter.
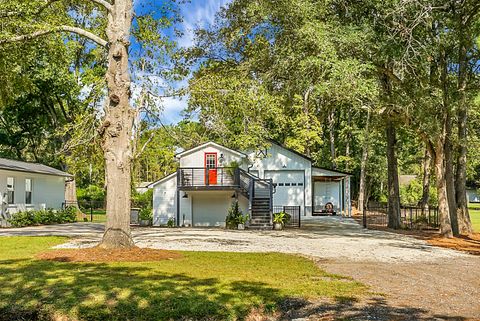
x: 241, y: 226
x: 144, y: 222
x: 277, y: 226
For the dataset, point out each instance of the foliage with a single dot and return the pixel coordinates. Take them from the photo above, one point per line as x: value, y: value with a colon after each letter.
x: 412, y: 193
x: 44, y: 217
x: 146, y: 213
x: 91, y: 193
x: 144, y: 199
x: 172, y: 289
x: 235, y: 216
x: 171, y: 222
x: 281, y: 218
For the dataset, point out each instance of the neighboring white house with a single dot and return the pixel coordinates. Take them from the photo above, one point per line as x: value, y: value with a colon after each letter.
x: 210, y: 177
x: 25, y: 186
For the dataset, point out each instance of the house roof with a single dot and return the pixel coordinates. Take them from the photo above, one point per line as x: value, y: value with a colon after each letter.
x: 191, y: 150
x: 161, y: 180
x: 289, y: 149
x: 332, y: 171
x: 19, y: 166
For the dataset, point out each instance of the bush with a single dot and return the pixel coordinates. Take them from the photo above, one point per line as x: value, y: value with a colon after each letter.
x: 281, y: 218
x: 146, y: 213
x: 142, y: 200
x: 235, y: 216
x: 171, y: 222
x: 44, y: 217
x: 411, y: 194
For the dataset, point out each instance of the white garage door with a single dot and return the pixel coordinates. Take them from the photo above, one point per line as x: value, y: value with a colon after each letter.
x: 210, y: 209
x: 290, y: 187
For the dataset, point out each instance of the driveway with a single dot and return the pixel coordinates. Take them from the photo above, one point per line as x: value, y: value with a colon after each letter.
x: 425, y: 282
x: 341, y: 239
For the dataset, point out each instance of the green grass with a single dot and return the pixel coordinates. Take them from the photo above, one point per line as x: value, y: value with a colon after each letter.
x: 99, y: 216
x: 475, y: 217
x: 200, y: 285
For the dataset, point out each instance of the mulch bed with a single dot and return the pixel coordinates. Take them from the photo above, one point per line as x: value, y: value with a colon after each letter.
x: 465, y: 243
x: 97, y: 254
x: 469, y: 244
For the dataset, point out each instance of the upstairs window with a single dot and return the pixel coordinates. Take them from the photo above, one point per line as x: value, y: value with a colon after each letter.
x: 28, y: 191
x: 10, y: 190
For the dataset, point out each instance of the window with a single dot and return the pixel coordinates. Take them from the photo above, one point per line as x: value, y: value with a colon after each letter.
x: 294, y: 184
x: 287, y: 184
x: 10, y: 190
x: 210, y: 160
x: 280, y: 184
x: 300, y: 184
x: 28, y: 191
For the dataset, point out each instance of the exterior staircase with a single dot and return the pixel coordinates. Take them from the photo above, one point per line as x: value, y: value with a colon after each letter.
x: 260, y: 195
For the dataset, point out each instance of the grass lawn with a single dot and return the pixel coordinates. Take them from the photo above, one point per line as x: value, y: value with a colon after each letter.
x: 200, y: 285
x: 99, y: 216
x: 475, y: 217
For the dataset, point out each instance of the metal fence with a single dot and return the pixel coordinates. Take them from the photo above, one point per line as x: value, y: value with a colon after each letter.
x: 411, y: 217
x: 293, y: 211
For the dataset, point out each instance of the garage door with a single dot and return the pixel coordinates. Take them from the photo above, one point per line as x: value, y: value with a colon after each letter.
x: 210, y: 209
x: 290, y: 188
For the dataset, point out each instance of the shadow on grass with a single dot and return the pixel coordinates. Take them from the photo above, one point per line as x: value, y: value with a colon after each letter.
x: 35, y: 290
x: 341, y: 308
x: 46, y: 290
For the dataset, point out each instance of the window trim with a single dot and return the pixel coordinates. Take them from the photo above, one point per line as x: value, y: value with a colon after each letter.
x: 11, y: 191
x: 30, y: 191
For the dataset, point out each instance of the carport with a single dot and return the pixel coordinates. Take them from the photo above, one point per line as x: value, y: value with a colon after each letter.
x: 331, y: 187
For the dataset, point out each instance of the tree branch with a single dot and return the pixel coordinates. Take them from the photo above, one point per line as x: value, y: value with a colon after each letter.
x: 76, y: 30
x: 107, y: 5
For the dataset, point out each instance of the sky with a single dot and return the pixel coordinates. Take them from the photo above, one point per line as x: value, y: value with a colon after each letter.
x: 196, y: 13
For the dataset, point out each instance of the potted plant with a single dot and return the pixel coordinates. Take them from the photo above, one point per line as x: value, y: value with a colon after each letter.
x: 241, y: 220
x: 145, y: 216
x: 279, y: 219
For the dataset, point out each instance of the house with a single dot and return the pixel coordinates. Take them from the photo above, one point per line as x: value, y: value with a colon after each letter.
x: 210, y: 177
x: 25, y: 186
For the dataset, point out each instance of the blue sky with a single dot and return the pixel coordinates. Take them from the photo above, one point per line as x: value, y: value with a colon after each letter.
x: 197, y: 13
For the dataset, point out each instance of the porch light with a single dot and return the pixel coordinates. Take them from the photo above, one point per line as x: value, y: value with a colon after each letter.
x: 221, y: 158
x: 185, y: 195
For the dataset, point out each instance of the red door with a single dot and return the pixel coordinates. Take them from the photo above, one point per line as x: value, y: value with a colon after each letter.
x: 211, y: 168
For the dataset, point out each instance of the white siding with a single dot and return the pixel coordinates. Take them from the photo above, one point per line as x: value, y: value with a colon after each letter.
x: 197, y: 158
x: 281, y: 159
x: 164, y: 201
x: 48, y: 191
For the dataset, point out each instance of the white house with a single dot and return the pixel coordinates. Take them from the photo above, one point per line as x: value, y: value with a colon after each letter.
x: 210, y: 177
x: 25, y: 186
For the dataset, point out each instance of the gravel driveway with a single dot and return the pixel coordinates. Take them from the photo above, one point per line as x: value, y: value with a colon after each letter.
x: 421, y: 282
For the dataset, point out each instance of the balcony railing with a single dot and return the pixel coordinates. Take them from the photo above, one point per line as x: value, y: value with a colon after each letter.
x: 195, y: 177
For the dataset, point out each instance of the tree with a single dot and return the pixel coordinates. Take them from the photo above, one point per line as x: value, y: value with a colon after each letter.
x: 28, y: 21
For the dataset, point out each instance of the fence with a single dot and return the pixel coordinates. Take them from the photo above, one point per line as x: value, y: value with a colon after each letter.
x: 411, y: 217
x: 293, y: 211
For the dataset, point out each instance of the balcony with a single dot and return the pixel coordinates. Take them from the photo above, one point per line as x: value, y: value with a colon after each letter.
x: 197, y: 178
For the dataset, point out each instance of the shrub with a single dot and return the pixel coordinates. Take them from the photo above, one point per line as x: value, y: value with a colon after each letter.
x: 171, y: 222
x: 281, y: 218
x: 142, y: 200
x: 44, y: 217
x: 146, y: 213
x: 235, y: 216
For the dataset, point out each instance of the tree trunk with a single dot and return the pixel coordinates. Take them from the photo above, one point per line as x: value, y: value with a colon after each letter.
x: 443, y: 207
x: 306, y: 98
x: 363, y: 165
x: 427, y: 160
x: 331, y: 127
x: 116, y: 129
x: 449, y: 176
x: 349, y: 138
x: 393, y: 186
x: 463, y: 217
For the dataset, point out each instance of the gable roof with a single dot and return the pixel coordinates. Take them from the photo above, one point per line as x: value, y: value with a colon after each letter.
x: 161, y: 180
x: 194, y: 149
x: 289, y: 149
x: 19, y: 166
x: 331, y: 170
